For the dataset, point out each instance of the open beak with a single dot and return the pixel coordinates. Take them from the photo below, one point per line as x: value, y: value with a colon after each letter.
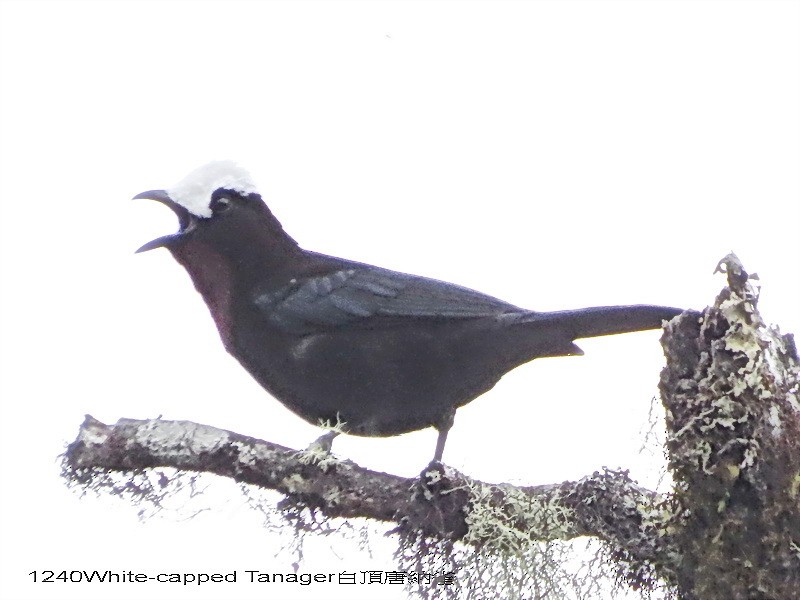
x: 184, y: 218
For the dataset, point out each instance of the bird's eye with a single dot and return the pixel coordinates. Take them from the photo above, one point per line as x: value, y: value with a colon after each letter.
x: 220, y: 204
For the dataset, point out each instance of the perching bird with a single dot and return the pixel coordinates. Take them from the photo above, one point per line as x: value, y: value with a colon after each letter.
x: 335, y: 340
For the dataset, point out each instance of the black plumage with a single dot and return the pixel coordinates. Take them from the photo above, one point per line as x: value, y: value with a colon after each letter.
x: 341, y: 341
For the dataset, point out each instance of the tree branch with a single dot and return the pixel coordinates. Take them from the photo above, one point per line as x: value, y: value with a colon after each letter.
x: 730, y: 391
x: 443, y: 503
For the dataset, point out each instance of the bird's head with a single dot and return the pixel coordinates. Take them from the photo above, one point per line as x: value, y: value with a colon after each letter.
x: 217, y: 202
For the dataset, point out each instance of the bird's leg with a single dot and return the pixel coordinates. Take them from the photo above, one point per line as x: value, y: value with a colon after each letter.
x: 324, y: 442
x: 443, y: 427
x: 440, y: 441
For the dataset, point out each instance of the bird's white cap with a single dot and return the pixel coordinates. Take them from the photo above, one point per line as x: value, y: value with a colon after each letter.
x: 194, y: 191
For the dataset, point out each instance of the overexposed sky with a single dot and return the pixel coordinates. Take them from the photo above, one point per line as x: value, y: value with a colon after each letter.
x: 553, y: 154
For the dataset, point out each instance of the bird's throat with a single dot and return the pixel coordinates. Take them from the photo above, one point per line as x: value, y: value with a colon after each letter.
x: 213, y: 277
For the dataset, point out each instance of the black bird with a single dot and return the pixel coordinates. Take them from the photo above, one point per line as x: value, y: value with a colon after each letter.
x: 341, y: 341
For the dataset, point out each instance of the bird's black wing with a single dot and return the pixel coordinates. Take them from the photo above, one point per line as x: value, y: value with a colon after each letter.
x: 370, y: 296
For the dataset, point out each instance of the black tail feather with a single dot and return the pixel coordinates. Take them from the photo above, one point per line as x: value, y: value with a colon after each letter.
x: 606, y: 320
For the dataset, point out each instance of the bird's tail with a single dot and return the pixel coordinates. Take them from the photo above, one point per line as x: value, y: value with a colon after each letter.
x: 604, y: 320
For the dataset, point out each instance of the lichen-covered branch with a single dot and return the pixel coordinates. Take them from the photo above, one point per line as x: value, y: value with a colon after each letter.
x: 442, y: 503
x: 730, y: 391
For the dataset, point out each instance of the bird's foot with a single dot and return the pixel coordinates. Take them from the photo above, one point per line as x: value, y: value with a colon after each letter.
x: 319, y: 451
x: 323, y: 443
x: 428, y: 479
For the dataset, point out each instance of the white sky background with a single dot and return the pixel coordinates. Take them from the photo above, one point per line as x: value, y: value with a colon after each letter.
x: 553, y: 154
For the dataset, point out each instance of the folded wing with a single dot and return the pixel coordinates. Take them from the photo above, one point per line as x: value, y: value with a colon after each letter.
x: 372, y: 297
